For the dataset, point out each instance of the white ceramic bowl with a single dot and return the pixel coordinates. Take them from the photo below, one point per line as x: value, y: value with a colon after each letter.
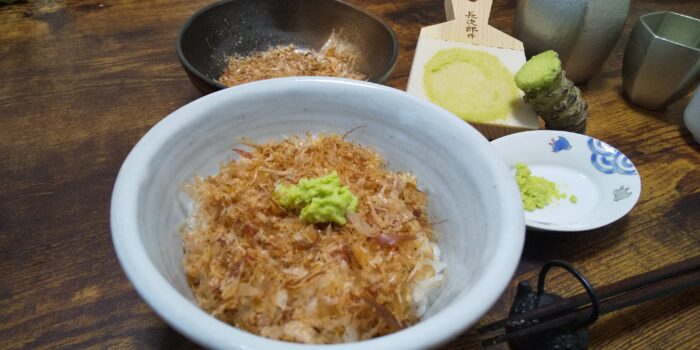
x: 468, y: 184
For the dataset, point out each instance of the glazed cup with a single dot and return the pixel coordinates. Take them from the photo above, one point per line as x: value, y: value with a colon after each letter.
x: 662, y: 59
x: 582, y: 32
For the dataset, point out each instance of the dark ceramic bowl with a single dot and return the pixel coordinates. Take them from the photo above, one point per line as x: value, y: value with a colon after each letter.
x: 241, y: 27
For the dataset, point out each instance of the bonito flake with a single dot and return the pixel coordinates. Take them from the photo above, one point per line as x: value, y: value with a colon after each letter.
x: 260, y: 268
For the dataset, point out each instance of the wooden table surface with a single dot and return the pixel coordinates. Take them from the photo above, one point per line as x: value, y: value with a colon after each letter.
x: 82, y: 81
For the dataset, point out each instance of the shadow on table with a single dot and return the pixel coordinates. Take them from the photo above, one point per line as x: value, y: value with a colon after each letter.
x: 615, y: 328
x: 542, y: 246
x: 673, y: 113
x: 172, y: 340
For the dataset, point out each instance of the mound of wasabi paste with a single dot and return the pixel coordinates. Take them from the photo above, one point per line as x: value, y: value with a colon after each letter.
x: 321, y: 199
x: 537, y: 192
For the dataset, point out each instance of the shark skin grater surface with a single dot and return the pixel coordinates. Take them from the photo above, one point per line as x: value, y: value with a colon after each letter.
x: 467, y: 28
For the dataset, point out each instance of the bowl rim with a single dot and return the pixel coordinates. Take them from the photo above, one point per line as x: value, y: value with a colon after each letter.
x: 388, y: 69
x: 193, y: 322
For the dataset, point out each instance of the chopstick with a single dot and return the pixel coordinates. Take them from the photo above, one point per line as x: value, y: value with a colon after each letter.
x: 654, y: 284
x: 605, y: 292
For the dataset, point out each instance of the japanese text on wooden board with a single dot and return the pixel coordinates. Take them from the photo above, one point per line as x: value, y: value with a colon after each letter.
x: 471, y: 24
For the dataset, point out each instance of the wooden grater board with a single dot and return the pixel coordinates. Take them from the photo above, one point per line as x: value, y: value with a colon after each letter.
x: 453, y: 34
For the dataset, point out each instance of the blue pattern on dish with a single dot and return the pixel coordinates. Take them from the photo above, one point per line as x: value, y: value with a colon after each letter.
x: 609, y: 160
x: 560, y: 144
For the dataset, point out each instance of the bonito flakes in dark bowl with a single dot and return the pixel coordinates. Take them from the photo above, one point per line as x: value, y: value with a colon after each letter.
x: 233, y: 42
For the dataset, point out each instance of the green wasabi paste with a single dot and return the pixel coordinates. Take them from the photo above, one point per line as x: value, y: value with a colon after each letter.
x: 474, y: 85
x: 321, y: 199
x: 536, y: 192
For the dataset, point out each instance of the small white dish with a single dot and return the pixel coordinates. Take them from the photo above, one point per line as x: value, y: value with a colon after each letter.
x: 605, y: 182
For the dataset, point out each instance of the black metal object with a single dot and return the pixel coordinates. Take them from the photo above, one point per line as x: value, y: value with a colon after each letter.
x: 572, y: 336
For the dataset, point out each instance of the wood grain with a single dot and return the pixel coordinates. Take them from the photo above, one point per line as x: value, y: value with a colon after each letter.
x: 82, y: 81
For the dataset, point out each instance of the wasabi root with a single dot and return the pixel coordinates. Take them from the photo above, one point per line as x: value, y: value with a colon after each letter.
x: 551, y: 94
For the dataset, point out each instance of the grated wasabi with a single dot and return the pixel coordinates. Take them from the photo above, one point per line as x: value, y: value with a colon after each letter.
x: 321, y: 199
x: 536, y: 192
x: 474, y: 85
